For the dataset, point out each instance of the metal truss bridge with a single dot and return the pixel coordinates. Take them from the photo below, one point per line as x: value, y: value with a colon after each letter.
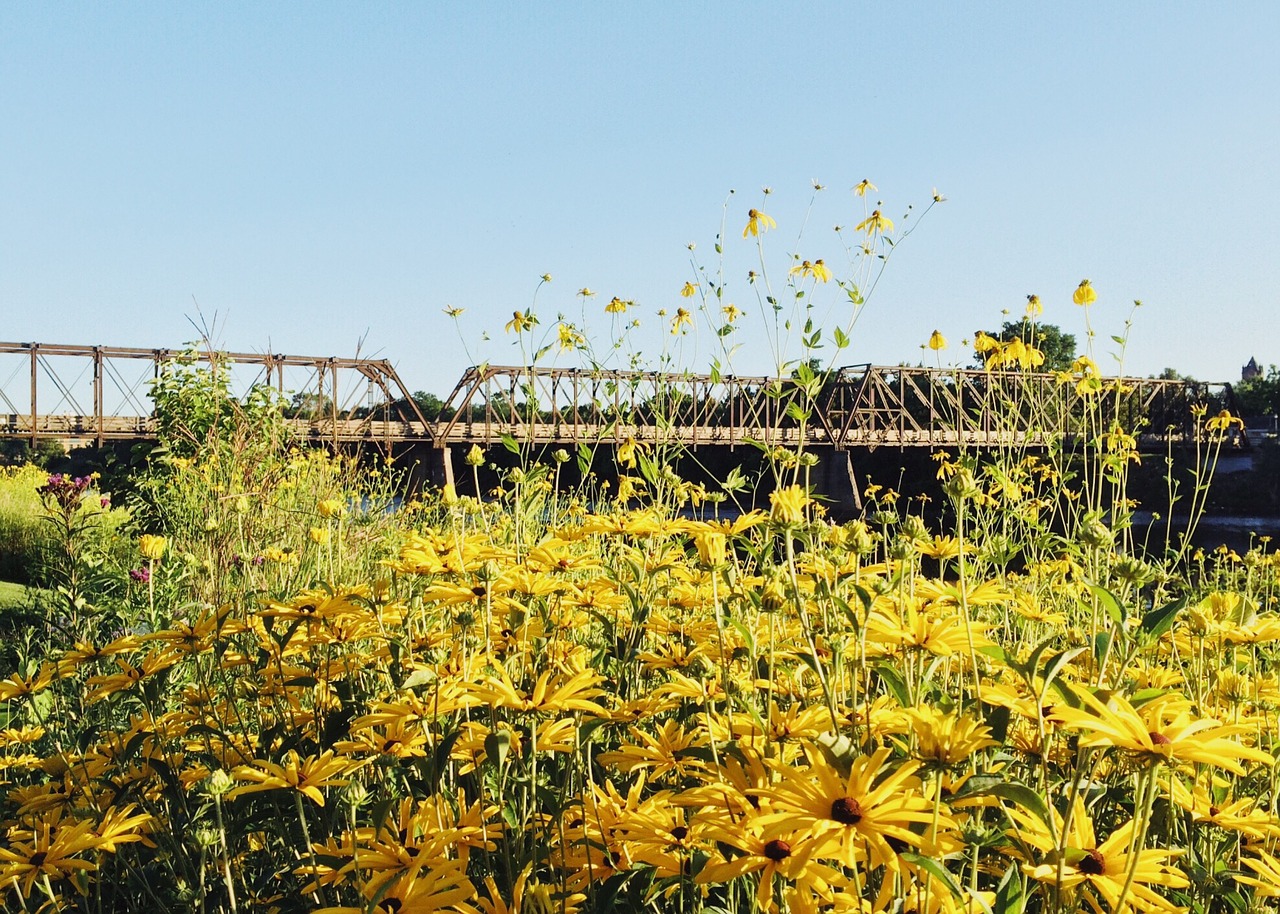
x: 94, y: 394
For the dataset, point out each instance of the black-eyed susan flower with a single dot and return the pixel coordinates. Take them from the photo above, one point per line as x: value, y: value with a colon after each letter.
x: 1084, y: 294
x: 1163, y: 730
x: 309, y: 776
x: 46, y: 851
x: 854, y: 817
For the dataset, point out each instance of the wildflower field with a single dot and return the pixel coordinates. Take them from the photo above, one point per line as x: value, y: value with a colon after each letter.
x: 266, y: 690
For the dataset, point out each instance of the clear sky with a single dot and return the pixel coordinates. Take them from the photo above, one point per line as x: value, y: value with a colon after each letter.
x: 317, y: 175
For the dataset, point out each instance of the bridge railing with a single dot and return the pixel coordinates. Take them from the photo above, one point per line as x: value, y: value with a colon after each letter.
x: 584, y: 405
x: 868, y: 405
x: 99, y: 393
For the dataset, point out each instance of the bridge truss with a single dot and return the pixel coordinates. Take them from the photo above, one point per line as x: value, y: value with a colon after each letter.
x: 94, y: 394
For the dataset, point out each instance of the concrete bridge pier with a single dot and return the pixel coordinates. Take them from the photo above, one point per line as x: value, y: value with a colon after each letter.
x: 834, y: 480
x: 440, y: 466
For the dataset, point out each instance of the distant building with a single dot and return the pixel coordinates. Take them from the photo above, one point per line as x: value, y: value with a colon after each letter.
x: 1251, y: 371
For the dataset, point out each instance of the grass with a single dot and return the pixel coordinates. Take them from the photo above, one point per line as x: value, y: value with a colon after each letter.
x: 12, y: 596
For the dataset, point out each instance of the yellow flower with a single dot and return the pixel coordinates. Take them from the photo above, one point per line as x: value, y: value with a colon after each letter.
x: 331, y: 507
x: 1034, y: 308
x: 1084, y: 294
x: 319, y: 535
x: 731, y: 313
x: 627, y: 452
x: 757, y: 222
x: 875, y: 223
x: 818, y: 270
x: 1224, y: 422
x: 616, y: 306
x: 451, y: 311
x: 152, y: 547
x: 862, y: 187
x: 568, y: 337
x: 937, y: 341
x: 690, y: 289
x: 852, y: 816
x: 520, y: 322
x: 984, y: 343
x: 946, y: 739
x: 307, y: 776
x: 1162, y: 730
x: 585, y: 292
x: 712, y: 547
x: 682, y: 318
x: 45, y: 852
x: 787, y: 505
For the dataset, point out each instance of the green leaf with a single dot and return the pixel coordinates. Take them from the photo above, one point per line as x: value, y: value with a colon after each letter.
x: 423, y: 676
x: 1056, y: 664
x: 841, y: 338
x: 735, y: 481
x: 496, y: 747
x: 511, y: 444
x: 1159, y: 620
x: 1010, y: 897
x: 1110, y: 603
x: 895, y: 683
x: 1101, y: 645
x: 838, y: 749
x: 1023, y: 796
x: 797, y: 412
x: 936, y: 870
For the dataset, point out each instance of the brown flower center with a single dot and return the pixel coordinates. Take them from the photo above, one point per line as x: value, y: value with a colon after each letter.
x: 679, y: 832
x: 1159, y: 739
x: 777, y: 849
x: 38, y: 859
x: 846, y: 811
x: 1093, y: 864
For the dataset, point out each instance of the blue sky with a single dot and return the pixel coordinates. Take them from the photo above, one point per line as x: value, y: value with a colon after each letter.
x: 324, y: 174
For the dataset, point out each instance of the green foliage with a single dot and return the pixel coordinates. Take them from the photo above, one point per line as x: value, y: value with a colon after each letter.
x: 1259, y: 396
x: 197, y: 415
x: 44, y: 454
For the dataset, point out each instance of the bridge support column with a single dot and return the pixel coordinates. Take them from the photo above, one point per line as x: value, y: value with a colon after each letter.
x: 440, y: 467
x: 834, y: 480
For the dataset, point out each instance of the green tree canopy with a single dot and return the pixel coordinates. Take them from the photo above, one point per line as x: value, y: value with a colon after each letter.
x: 1259, y: 396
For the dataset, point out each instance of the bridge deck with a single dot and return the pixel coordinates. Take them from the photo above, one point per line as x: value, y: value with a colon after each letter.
x: 94, y: 394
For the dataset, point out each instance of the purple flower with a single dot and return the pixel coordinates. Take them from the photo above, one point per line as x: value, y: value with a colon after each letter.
x: 141, y: 575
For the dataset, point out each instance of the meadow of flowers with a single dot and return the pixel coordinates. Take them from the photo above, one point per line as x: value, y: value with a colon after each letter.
x: 290, y: 698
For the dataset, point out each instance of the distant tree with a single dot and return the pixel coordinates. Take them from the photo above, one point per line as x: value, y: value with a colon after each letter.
x: 308, y: 406
x: 430, y: 404
x: 1259, y: 396
x: 15, y: 452
x: 1059, y: 348
x: 1172, y: 374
